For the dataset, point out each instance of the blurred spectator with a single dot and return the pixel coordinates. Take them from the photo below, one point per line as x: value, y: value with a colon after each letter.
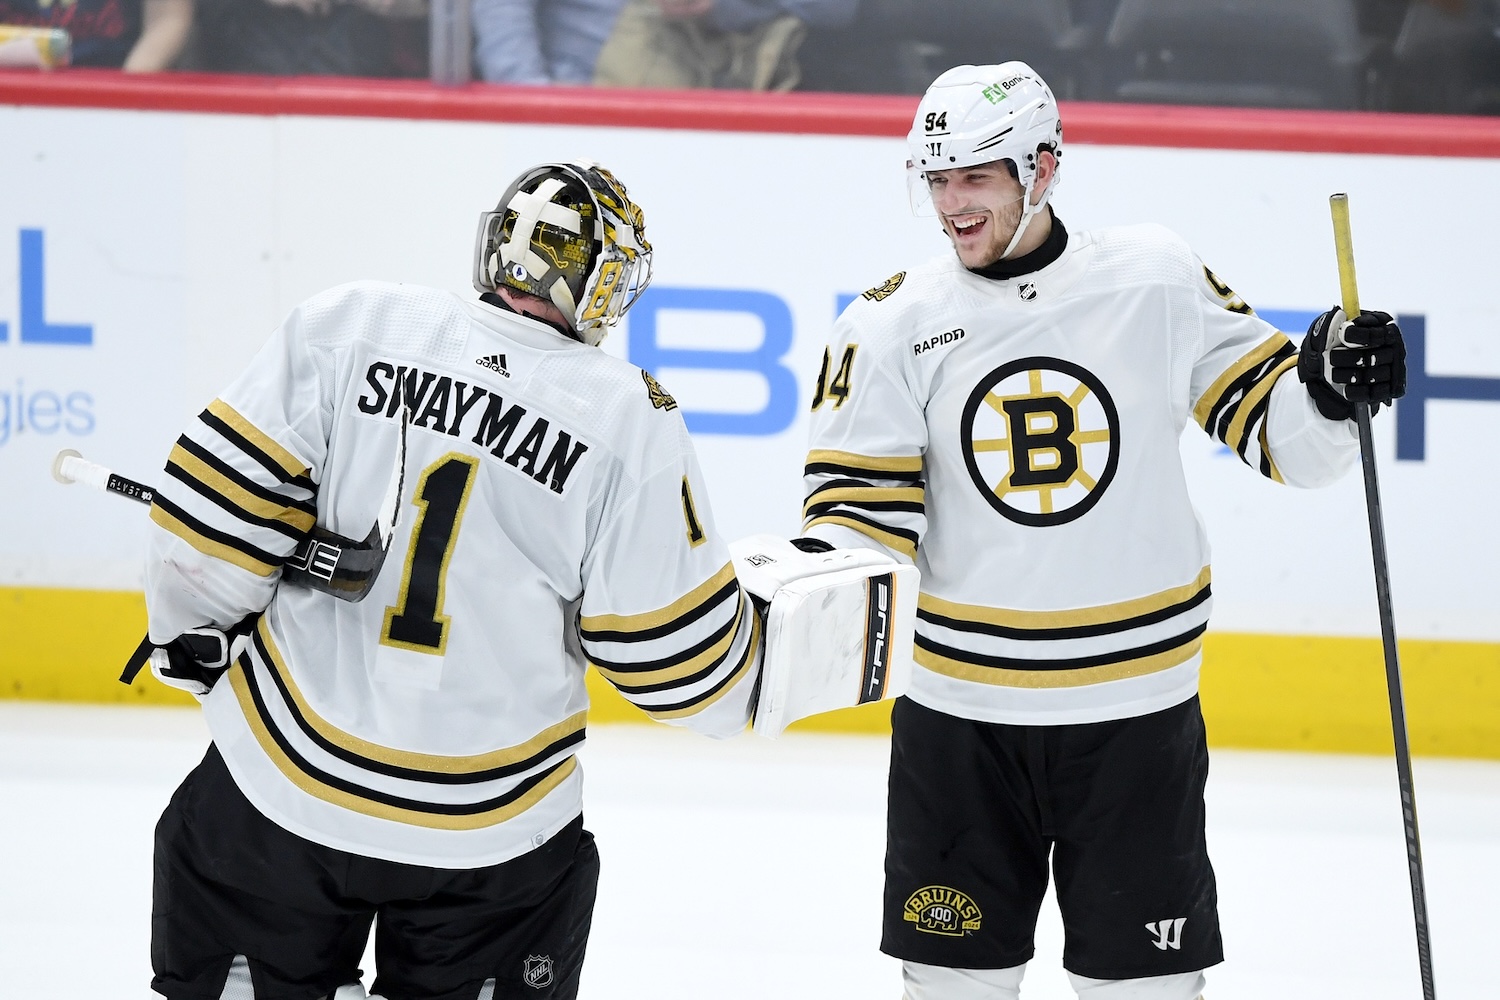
x: 312, y: 37
x: 139, y: 36
x: 900, y: 46
x: 541, y: 41
x: 742, y: 44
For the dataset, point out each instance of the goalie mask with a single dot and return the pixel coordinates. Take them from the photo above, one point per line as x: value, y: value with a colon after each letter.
x: 567, y: 233
x: 978, y: 114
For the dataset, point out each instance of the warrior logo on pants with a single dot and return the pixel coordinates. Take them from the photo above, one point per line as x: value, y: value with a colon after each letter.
x: 937, y: 909
x: 1041, y: 439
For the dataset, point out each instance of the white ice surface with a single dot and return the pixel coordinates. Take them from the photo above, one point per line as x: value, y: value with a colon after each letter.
x: 748, y: 869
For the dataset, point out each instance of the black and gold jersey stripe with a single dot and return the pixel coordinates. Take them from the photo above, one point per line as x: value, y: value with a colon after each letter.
x: 1073, y: 672
x: 505, y: 782
x: 825, y: 462
x: 883, y: 498
x: 439, y: 769
x: 234, y: 493
x: 1234, y: 408
x: 680, y: 658
x: 1067, y: 647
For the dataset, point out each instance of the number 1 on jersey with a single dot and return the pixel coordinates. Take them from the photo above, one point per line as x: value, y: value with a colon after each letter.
x: 417, y: 621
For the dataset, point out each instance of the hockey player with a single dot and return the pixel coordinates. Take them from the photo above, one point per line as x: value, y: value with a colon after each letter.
x: 1008, y: 417
x: 410, y: 759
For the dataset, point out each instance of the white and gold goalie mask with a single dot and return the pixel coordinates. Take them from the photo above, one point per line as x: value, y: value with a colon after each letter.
x: 569, y: 233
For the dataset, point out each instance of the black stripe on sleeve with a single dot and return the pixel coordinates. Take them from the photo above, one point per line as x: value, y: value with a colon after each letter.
x: 214, y: 534
x: 243, y: 443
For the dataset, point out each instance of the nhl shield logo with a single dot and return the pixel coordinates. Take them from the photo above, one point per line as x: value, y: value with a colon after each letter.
x: 1027, y: 291
x: 537, y: 972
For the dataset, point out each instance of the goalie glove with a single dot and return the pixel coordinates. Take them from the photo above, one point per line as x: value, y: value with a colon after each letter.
x: 1343, y: 363
x: 838, y: 626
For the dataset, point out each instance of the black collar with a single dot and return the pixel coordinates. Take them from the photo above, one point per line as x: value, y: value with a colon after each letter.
x: 1051, y: 249
x: 490, y: 298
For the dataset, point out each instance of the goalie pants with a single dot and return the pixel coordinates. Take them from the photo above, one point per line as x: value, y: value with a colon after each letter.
x: 976, y: 809
x: 228, y: 881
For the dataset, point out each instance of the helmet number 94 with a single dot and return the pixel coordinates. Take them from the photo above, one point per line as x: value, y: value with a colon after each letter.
x: 937, y: 121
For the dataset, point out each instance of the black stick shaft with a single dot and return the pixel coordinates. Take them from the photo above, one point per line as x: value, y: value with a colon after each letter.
x: 130, y: 489
x: 1394, y: 696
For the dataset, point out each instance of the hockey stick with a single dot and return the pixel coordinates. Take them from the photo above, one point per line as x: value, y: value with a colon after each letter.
x: 323, y: 561
x: 1344, y: 246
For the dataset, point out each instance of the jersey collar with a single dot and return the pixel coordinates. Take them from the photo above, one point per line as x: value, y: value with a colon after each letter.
x: 1051, y: 249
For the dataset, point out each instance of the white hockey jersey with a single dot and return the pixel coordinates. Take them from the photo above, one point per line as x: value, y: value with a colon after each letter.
x: 553, y: 510
x: 1019, y: 439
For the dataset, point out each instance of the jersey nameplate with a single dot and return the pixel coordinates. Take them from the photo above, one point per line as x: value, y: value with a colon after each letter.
x: 442, y: 404
x: 882, y: 292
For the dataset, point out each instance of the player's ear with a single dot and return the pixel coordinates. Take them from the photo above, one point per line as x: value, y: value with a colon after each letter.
x: 1046, y: 173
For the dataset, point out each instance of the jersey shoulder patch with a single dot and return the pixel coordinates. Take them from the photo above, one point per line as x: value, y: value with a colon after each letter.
x: 884, y: 291
x: 660, y: 398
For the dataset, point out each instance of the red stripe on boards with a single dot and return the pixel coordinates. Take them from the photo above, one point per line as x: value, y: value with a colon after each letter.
x: 737, y: 111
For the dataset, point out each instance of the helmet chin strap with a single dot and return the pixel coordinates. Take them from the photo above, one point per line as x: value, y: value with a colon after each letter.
x: 1026, y: 214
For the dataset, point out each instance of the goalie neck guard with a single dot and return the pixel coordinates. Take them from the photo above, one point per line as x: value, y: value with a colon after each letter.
x: 568, y: 233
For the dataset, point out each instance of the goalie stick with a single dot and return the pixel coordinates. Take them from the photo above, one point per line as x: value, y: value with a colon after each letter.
x: 324, y: 560
x: 1344, y: 246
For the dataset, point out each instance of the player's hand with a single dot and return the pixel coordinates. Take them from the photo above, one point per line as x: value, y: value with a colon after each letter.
x: 1343, y: 363
x: 193, y: 661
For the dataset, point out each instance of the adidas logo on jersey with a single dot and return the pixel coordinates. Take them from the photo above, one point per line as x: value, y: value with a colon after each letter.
x: 494, y: 362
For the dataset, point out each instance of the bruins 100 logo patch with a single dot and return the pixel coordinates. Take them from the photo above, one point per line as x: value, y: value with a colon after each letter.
x: 937, y: 909
x: 1041, y: 439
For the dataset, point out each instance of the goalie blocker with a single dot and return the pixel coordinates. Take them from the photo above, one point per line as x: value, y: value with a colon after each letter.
x: 839, y: 627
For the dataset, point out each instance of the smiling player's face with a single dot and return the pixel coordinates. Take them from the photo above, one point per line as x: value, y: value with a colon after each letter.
x: 980, y: 207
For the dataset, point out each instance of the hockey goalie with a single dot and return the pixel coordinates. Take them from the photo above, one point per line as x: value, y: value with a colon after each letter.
x: 838, y: 626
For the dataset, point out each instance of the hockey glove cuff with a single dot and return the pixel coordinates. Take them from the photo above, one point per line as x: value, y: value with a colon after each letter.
x: 1343, y: 362
x: 193, y: 661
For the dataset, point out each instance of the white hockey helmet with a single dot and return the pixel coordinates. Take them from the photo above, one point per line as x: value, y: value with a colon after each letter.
x: 567, y: 232
x: 978, y: 114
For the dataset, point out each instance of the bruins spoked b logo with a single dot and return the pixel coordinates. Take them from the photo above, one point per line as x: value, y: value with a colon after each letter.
x: 937, y: 909
x: 1041, y: 439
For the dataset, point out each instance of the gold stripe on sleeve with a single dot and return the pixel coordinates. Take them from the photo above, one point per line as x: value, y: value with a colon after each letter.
x: 889, y: 539
x: 435, y: 763
x: 1236, y: 433
x: 751, y: 658
x: 1259, y: 356
x: 291, y: 464
x: 1075, y: 677
x: 677, y: 671
x: 652, y: 619
x: 238, y: 495
x: 865, y: 494
x: 208, y: 546
x: 870, y: 463
x: 1102, y: 614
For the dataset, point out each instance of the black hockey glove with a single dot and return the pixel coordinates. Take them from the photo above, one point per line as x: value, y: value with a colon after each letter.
x: 192, y: 662
x: 1343, y: 363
